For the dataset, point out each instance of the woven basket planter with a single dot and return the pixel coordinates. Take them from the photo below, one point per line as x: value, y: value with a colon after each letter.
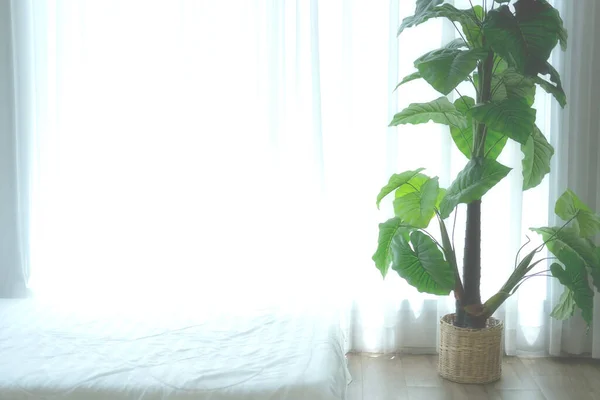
x: 470, y: 355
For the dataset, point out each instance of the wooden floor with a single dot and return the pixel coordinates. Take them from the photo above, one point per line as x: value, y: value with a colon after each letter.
x: 415, y: 377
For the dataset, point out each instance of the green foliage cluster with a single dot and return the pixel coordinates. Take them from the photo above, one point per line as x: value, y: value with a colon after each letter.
x: 503, y: 51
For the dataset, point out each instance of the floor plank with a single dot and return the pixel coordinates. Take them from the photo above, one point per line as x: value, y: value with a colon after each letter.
x: 415, y: 377
x: 383, y: 378
x: 515, y: 376
x: 355, y: 389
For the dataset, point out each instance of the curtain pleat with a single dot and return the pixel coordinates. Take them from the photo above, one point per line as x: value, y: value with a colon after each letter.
x: 14, y: 163
x: 576, y: 136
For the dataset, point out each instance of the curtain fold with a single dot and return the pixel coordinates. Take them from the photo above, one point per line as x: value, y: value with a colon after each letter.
x: 231, y: 152
x: 576, y: 136
x: 13, y: 169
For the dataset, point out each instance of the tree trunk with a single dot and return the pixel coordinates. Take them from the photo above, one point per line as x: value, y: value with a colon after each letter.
x: 471, y: 268
x: 472, y: 255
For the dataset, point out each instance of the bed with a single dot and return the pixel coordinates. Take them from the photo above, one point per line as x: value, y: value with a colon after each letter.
x: 87, y: 353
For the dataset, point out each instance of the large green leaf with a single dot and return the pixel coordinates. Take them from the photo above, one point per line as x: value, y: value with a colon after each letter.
x: 440, y: 111
x: 395, y: 182
x: 510, y: 84
x: 417, y: 207
x: 565, y: 242
x: 555, y: 88
x: 479, y: 176
x: 423, y: 266
x: 387, y: 231
x: 428, y: 9
x: 411, y: 77
x: 524, y: 39
x: 567, y: 239
x: 415, y: 185
x: 574, y: 276
x: 565, y: 307
x: 463, y: 138
x: 536, y: 161
x: 512, y: 117
x: 570, y: 206
x: 563, y: 35
x: 446, y: 68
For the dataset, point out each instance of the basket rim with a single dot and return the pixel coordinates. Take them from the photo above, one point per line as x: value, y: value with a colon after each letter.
x: 492, y: 324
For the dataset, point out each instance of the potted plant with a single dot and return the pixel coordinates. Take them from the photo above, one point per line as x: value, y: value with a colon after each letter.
x: 503, y: 51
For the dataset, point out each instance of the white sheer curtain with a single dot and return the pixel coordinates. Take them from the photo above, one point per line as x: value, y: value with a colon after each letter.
x: 178, y: 148
x: 576, y: 134
x: 232, y: 151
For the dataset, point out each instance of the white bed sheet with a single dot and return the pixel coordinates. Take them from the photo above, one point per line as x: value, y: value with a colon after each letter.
x: 49, y: 352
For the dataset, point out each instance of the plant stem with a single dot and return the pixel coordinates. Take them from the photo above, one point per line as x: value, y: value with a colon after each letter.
x: 454, y: 226
x: 472, y: 6
x: 459, y: 32
x: 521, y: 249
x: 462, y: 98
x: 472, y: 262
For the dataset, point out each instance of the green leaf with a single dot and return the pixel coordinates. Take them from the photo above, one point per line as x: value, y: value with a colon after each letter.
x: 463, y: 104
x: 472, y: 28
x: 429, y: 9
x: 440, y: 197
x: 444, y: 69
x: 387, y: 231
x: 524, y: 39
x: 494, y: 144
x: 536, y: 161
x: 424, y: 267
x: 570, y: 206
x: 411, y: 77
x: 511, y: 117
x: 595, y: 270
x: 415, y: 185
x: 494, y: 302
x: 449, y: 253
x: 574, y: 276
x: 510, y: 84
x: 502, y: 1
x: 463, y: 138
x: 554, y: 89
x: 440, y: 111
x: 418, y: 207
x: 395, y: 182
x: 456, y: 44
x: 565, y: 308
x: 479, y: 176
x: 567, y: 242
x: 562, y: 33
x: 500, y: 65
